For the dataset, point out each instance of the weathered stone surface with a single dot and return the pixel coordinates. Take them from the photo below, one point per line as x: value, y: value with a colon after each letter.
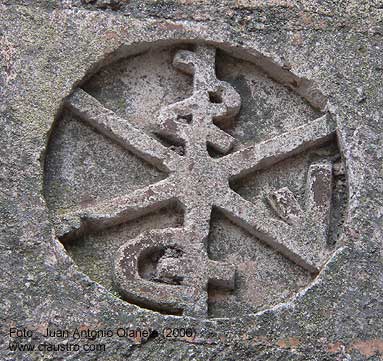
x: 267, y: 241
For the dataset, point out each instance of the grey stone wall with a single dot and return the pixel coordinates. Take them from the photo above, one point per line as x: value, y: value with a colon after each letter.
x: 265, y: 245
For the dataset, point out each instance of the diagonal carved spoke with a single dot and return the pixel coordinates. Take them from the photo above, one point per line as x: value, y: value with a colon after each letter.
x: 277, y: 234
x: 265, y: 154
x: 119, y: 209
x: 121, y: 131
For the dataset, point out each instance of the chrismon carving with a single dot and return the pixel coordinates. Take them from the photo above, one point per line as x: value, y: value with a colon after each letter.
x: 171, y: 269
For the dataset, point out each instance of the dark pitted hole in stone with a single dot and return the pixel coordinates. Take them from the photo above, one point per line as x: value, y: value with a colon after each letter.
x: 185, y: 118
x: 215, y: 97
x: 175, y: 145
x: 179, y: 149
x: 160, y: 264
x: 153, y: 334
x: 212, y: 152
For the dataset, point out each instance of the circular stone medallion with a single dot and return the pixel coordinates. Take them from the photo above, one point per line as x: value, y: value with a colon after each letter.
x: 190, y: 181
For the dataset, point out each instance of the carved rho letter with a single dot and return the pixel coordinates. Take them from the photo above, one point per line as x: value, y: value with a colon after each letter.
x: 191, y: 122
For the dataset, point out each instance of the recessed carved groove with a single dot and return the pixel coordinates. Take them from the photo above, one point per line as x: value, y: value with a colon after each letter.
x: 185, y: 118
x: 215, y: 97
x: 76, y: 223
x: 161, y: 265
x: 175, y: 145
x: 301, y: 86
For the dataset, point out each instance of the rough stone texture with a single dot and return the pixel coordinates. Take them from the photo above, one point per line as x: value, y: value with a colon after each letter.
x: 314, y: 52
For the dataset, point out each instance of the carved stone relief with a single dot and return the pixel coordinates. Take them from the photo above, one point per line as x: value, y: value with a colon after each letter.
x: 187, y: 180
